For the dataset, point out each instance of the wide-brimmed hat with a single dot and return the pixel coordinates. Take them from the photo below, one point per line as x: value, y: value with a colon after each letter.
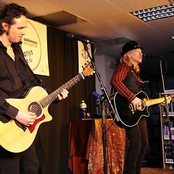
x: 131, y: 45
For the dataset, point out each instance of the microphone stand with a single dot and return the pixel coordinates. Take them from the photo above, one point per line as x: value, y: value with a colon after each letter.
x: 103, y: 97
x: 167, y: 109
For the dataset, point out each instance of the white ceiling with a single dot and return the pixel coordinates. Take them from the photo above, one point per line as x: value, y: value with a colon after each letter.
x: 107, y: 23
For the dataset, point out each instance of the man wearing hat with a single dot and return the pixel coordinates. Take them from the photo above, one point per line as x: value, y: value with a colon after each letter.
x: 126, y: 81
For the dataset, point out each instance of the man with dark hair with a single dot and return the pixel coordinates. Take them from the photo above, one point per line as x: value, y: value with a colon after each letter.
x: 16, y: 78
x: 9, y: 12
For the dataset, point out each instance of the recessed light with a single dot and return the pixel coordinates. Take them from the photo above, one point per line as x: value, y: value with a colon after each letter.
x: 155, y: 13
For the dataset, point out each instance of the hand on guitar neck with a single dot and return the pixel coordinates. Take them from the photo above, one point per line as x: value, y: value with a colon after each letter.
x: 167, y: 101
x: 63, y: 94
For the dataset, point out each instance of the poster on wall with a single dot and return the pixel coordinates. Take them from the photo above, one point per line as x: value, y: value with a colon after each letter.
x: 83, y: 55
x: 34, y: 45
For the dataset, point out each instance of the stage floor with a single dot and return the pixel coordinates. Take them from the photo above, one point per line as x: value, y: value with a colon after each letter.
x: 146, y: 170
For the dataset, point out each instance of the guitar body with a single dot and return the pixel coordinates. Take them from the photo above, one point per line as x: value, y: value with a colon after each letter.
x: 12, y: 137
x: 123, y: 109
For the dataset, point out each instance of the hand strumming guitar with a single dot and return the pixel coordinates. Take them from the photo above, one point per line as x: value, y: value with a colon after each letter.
x: 26, y: 118
x: 136, y: 103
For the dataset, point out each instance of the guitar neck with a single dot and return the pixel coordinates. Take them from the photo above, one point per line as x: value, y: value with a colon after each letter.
x: 51, y: 97
x: 155, y: 101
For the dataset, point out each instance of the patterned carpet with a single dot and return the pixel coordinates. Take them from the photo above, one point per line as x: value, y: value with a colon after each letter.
x: 156, y: 171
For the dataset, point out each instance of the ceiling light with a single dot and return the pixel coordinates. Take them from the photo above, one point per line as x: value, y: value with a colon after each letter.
x: 155, y: 13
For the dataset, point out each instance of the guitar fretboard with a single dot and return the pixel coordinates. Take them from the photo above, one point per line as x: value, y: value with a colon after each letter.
x: 51, y: 97
x: 154, y: 101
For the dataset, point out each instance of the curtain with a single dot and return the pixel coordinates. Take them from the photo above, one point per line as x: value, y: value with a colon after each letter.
x: 52, y: 138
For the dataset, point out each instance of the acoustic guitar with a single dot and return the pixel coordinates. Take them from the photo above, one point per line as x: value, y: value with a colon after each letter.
x: 15, y: 138
x: 128, y: 117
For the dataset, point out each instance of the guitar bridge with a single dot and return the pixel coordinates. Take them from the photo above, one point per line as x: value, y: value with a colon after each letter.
x: 131, y: 107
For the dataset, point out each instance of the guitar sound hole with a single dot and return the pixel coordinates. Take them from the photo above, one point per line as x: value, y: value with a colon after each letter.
x: 35, y: 107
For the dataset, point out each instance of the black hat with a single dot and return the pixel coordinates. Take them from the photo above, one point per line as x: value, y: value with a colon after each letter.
x: 131, y: 45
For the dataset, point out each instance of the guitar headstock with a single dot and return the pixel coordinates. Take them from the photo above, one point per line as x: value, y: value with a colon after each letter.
x: 88, y: 70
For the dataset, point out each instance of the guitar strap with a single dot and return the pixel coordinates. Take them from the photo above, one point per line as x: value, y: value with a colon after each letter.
x: 113, y: 90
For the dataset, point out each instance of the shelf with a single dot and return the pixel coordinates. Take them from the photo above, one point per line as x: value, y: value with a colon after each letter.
x: 166, y: 124
x: 167, y: 138
x: 170, y: 115
x: 169, y: 162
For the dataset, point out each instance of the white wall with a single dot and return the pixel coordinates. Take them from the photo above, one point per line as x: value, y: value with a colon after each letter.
x: 105, y: 66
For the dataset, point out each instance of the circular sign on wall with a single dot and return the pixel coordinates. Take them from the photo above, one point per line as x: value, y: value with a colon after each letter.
x: 33, y: 44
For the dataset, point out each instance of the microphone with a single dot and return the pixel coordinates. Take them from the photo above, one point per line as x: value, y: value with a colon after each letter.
x: 96, y: 95
x: 79, y: 38
x: 146, y: 56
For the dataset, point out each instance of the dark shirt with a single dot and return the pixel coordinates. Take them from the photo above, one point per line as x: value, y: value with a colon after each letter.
x: 15, y: 80
x: 120, y: 73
